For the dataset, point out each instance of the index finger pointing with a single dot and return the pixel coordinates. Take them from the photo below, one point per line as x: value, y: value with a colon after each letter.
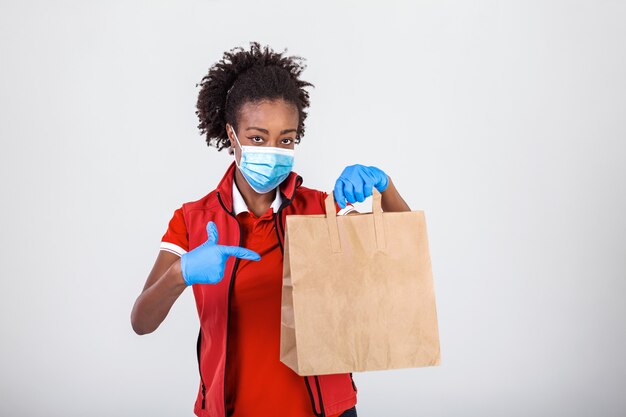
x: 239, y: 252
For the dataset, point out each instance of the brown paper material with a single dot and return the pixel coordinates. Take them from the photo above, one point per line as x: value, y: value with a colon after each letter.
x: 357, y: 292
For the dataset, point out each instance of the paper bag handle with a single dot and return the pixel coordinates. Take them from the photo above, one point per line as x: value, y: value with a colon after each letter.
x: 331, y: 220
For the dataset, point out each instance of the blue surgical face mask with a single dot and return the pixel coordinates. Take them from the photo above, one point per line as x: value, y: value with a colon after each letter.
x: 264, y: 167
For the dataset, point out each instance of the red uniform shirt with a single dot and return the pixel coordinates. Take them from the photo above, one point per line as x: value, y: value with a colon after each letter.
x: 257, y: 382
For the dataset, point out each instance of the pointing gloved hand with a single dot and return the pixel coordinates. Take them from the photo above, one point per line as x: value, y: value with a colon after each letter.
x: 356, y: 182
x: 205, y: 264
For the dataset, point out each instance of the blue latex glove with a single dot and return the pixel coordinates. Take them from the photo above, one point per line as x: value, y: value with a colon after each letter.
x: 356, y: 182
x: 205, y: 264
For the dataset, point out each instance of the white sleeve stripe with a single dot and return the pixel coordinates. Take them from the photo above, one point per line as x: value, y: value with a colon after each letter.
x: 171, y: 247
x: 171, y: 251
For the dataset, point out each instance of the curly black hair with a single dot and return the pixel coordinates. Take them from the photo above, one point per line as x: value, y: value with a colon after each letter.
x: 248, y: 76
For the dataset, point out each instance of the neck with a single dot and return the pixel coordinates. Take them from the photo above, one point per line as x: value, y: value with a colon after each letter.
x: 257, y: 203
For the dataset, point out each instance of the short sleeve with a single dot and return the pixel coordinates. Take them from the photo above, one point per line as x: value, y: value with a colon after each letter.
x: 175, y: 239
x: 340, y: 211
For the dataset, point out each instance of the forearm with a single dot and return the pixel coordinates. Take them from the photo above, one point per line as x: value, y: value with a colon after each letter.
x: 392, y: 200
x: 155, y: 302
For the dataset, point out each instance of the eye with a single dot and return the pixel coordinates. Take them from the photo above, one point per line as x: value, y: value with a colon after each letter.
x: 256, y: 139
x: 286, y: 141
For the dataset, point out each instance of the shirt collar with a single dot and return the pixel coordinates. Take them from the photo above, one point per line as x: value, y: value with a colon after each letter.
x: 239, y: 204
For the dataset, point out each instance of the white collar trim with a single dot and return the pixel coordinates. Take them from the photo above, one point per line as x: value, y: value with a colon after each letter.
x: 239, y: 204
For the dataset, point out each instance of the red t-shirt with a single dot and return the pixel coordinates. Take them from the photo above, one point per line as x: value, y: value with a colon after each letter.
x: 257, y: 382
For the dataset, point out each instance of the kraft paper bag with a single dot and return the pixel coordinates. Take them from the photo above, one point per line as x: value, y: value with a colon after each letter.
x: 357, y: 292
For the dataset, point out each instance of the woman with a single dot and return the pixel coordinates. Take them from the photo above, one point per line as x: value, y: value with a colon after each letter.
x: 228, y: 245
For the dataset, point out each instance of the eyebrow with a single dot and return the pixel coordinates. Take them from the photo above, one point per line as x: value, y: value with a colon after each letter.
x: 282, y: 132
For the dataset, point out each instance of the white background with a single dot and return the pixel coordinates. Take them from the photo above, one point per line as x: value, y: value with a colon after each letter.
x: 504, y: 121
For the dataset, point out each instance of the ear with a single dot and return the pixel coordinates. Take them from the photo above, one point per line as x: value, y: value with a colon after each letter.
x: 229, y: 133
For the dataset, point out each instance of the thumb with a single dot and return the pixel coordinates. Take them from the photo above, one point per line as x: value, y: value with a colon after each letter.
x: 338, y: 194
x: 211, y: 232
x: 239, y: 252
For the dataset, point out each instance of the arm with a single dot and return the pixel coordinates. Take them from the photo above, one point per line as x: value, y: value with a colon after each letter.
x: 163, y: 286
x: 392, y: 200
x: 170, y: 276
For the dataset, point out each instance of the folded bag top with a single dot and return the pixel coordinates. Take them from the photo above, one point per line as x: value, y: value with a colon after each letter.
x: 357, y: 292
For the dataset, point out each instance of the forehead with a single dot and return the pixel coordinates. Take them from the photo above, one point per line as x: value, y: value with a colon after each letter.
x: 269, y: 114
